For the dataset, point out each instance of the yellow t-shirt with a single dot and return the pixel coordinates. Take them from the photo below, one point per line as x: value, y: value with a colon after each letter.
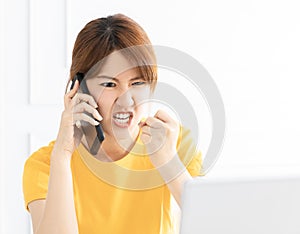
x: 126, y: 196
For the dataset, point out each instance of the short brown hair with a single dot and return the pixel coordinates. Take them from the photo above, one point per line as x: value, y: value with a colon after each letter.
x: 102, y: 36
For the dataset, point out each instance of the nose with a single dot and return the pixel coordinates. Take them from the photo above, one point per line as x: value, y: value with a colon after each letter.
x: 125, y: 99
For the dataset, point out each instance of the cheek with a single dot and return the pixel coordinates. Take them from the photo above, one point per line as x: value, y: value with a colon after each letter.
x: 142, y: 100
x: 105, y: 103
x: 142, y: 111
x: 141, y: 95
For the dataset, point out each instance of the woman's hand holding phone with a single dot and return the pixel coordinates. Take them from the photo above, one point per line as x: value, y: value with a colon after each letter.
x: 77, y: 105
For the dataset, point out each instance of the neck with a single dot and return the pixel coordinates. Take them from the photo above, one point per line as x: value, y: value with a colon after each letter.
x: 115, y: 149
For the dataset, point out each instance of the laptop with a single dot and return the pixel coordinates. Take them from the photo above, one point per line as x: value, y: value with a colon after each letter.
x: 241, y: 206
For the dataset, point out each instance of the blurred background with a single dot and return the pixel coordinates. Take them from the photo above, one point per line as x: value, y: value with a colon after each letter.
x: 250, y: 48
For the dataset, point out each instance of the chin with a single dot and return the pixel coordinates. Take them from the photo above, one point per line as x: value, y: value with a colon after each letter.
x: 125, y: 133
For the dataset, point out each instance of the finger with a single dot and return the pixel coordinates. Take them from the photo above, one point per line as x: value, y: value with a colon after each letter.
x: 83, y: 106
x: 142, y: 123
x: 146, y: 130
x: 69, y: 95
x: 86, y: 118
x: 146, y: 139
x: 163, y: 116
x: 153, y: 122
x: 78, y: 124
x: 79, y: 97
x: 73, y: 91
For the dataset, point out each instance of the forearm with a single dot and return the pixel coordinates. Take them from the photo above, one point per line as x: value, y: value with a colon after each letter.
x: 176, y: 186
x: 59, y: 214
x: 175, y: 175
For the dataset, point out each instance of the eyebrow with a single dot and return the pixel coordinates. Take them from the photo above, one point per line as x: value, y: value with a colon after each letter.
x: 113, y: 78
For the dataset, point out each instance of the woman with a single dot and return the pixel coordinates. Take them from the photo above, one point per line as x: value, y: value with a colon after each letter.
x: 127, y: 185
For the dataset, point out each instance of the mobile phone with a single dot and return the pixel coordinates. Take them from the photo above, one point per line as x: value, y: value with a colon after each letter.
x: 94, y: 135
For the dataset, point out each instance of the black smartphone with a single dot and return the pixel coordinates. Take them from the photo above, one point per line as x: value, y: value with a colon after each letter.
x: 94, y: 135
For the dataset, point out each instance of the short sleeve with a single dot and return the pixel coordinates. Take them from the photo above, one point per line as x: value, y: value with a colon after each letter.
x: 188, y: 153
x: 36, y: 175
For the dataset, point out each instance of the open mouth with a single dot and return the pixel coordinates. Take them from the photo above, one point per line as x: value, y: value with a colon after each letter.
x: 122, y: 119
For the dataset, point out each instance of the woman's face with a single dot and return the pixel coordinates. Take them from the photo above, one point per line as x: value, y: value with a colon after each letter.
x: 121, y: 94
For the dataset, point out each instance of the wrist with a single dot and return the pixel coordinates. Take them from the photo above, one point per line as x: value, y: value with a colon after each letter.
x: 161, y: 158
x: 171, y: 169
x: 61, y: 155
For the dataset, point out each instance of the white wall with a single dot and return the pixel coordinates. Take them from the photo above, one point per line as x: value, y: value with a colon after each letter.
x: 251, y: 49
x: 1, y: 117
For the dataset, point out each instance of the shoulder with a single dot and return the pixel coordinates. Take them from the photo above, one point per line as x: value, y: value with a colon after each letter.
x: 186, y: 138
x: 41, y: 157
x: 36, y: 174
x: 37, y: 166
x: 188, y: 151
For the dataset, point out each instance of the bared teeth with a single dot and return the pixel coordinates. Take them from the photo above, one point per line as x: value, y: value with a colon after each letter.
x: 122, y: 120
x: 122, y: 116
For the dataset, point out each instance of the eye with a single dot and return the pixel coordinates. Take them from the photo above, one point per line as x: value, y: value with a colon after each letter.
x: 138, y: 83
x: 108, y: 84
